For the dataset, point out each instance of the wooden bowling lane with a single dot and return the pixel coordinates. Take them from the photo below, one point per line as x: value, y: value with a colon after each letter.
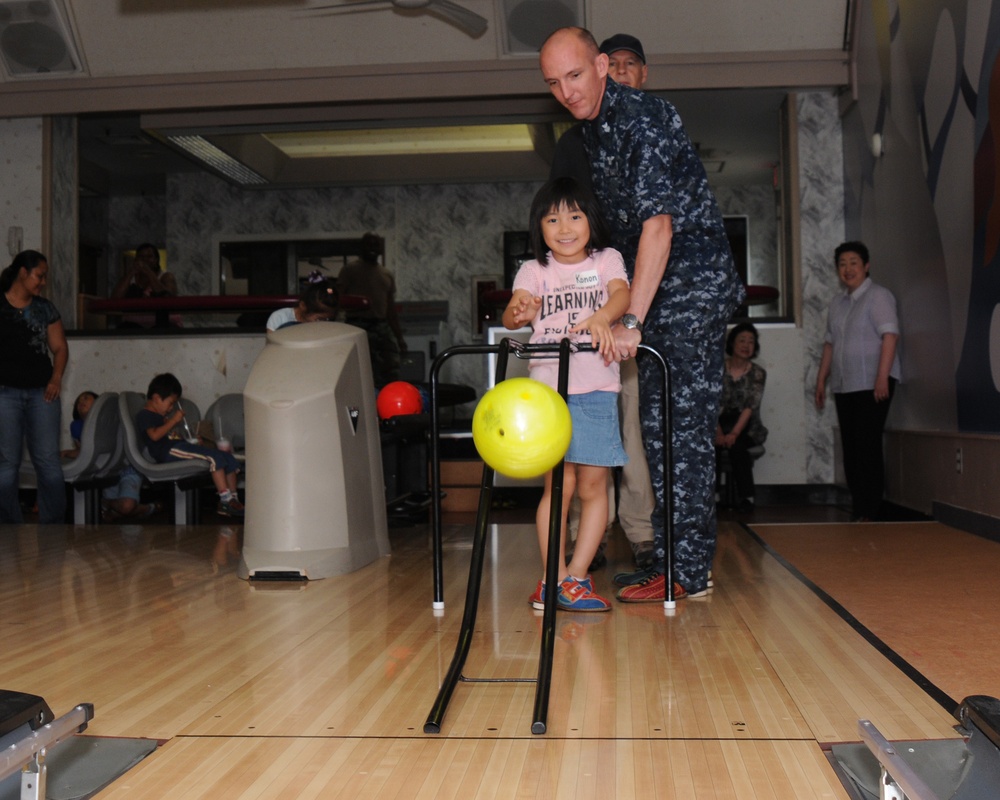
x: 443, y: 768
x: 375, y: 668
x: 322, y: 689
x: 833, y: 674
x: 925, y: 589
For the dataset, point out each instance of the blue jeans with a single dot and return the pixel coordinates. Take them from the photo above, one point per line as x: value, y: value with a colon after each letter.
x: 25, y: 417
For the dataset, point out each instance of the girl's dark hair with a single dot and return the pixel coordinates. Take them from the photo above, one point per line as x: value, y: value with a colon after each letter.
x: 76, y: 413
x: 319, y: 297
x: 743, y: 327
x: 26, y: 260
x: 851, y: 247
x: 572, y: 194
x: 164, y: 385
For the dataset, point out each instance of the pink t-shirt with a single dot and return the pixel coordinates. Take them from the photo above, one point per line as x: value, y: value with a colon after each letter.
x: 570, y: 293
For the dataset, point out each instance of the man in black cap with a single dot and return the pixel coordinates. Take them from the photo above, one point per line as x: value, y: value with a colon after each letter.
x: 626, y: 60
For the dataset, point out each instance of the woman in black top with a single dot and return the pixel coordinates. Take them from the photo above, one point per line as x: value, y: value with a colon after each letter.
x: 30, y: 381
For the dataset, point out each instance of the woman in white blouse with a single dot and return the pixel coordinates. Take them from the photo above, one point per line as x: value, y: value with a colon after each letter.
x: 860, y: 359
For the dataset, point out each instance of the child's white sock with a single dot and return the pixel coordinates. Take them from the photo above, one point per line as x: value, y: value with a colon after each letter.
x: 226, y: 496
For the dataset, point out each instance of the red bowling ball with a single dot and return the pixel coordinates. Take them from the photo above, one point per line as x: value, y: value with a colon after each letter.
x: 399, y: 397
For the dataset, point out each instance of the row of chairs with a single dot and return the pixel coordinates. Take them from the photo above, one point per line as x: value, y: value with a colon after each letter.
x: 109, y: 441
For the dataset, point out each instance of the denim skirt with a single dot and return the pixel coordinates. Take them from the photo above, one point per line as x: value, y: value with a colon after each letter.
x: 597, y: 439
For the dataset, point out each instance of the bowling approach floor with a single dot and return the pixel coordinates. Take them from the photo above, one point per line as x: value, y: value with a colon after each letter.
x: 322, y: 689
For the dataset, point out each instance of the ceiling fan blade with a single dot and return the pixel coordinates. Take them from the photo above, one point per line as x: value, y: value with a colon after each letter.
x: 468, y: 21
x: 354, y: 5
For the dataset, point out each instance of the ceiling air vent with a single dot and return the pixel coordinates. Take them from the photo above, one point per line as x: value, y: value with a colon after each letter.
x: 36, y: 39
x: 528, y: 23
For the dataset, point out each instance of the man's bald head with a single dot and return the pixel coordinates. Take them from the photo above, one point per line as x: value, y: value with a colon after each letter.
x: 575, y: 70
x: 581, y: 36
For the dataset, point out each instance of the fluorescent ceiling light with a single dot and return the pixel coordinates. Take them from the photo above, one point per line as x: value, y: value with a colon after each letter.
x: 404, y: 141
x: 218, y: 160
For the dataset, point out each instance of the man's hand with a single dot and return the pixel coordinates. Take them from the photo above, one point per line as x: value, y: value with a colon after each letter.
x: 626, y: 342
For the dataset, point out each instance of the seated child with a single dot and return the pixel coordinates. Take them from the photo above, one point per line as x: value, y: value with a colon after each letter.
x: 155, y: 423
x: 317, y: 302
x: 122, y: 500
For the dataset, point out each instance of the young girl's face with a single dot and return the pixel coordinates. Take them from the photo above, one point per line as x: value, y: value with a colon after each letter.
x: 566, y: 232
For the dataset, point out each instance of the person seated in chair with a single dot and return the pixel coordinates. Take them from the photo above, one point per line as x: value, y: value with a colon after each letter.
x: 123, y: 500
x: 739, y: 427
x: 155, y: 424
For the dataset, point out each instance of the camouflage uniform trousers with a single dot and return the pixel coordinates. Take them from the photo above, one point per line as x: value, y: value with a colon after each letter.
x: 692, y: 342
x: 382, y: 347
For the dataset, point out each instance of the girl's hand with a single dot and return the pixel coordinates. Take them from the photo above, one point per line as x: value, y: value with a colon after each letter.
x: 600, y: 333
x: 525, y: 309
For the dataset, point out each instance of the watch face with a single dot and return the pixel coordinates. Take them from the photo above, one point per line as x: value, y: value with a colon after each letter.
x: 630, y: 321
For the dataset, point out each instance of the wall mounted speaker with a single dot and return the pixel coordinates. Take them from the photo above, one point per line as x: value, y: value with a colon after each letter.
x: 37, y: 40
x: 528, y: 23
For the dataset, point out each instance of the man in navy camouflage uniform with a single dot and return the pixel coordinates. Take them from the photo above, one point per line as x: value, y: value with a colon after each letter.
x: 665, y: 220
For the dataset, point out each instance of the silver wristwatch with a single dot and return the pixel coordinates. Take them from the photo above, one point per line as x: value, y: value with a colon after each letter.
x: 631, y: 321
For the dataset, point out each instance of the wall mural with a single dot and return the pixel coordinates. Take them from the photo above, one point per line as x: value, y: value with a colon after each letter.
x: 922, y: 203
x: 976, y: 379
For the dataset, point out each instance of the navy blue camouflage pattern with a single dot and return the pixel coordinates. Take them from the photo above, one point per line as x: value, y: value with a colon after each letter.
x: 644, y: 165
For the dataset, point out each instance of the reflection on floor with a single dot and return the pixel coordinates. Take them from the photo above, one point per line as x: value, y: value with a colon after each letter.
x: 321, y: 689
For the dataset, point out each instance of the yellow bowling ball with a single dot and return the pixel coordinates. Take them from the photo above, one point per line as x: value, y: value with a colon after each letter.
x: 521, y: 428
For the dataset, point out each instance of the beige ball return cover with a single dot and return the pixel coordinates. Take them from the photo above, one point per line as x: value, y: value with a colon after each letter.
x: 314, y: 487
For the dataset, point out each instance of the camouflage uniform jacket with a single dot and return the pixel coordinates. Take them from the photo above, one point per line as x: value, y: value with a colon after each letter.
x: 643, y: 165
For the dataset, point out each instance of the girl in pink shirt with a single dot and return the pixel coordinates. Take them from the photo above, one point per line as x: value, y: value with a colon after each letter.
x: 575, y: 288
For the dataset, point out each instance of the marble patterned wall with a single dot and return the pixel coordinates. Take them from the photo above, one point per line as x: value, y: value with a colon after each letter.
x: 132, y: 220
x: 437, y: 236
x: 760, y: 204
x: 821, y: 211
x: 21, y: 144
x: 63, y: 216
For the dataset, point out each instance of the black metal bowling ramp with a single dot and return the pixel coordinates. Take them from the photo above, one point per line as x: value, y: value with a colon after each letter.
x: 547, y: 645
